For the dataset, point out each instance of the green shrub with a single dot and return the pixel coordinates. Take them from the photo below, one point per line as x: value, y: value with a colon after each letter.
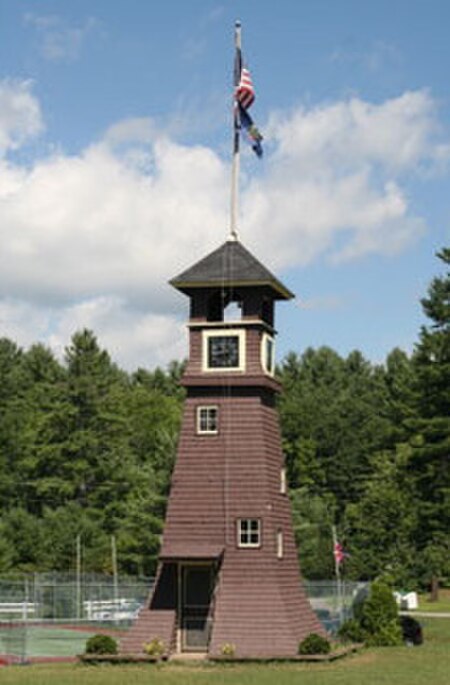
x: 314, y: 644
x: 228, y: 649
x: 155, y: 647
x: 101, y: 644
x: 389, y: 635
x: 379, y: 608
x: 379, y: 616
x: 376, y: 621
x: 351, y: 631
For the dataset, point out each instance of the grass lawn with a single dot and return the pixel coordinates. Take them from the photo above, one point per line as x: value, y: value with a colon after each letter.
x: 442, y: 605
x: 425, y: 665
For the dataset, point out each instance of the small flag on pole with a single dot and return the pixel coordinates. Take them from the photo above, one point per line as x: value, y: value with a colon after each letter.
x: 245, y: 93
x: 253, y: 134
x: 244, y: 98
x: 339, y: 554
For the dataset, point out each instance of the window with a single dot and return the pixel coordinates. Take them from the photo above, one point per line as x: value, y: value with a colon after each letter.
x: 224, y: 350
x: 280, y: 550
x: 249, y: 532
x: 283, y: 481
x: 268, y: 354
x: 207, y: 420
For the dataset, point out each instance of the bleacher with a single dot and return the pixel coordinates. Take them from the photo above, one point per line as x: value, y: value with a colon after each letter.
x: 120, y: 609
x: 17, y: 610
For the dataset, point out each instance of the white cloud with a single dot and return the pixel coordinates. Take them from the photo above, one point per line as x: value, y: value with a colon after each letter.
x: 23, y: 321
x: 336, y: 179
x: 72, y: 227
x: 395, y: 134
x: 137, y: 129
x: 91, y: 239
x: 132, y: 337
x: 60, y: 42
x: 20, y: 114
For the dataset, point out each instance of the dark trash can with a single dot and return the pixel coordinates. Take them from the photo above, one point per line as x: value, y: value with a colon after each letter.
x: 412, y: 630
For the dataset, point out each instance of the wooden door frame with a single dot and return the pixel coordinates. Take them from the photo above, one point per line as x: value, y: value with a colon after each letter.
x: 181, y: 568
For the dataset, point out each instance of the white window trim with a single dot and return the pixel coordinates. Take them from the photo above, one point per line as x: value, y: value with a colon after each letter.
x: 248, y: 545
x: 264, y: 338
x: 207, y: 407
x: 280, y: 544
x: 283, y: 481
x: 224, y: 332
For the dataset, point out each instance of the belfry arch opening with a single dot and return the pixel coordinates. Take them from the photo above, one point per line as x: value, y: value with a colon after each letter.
x: 233, y: 311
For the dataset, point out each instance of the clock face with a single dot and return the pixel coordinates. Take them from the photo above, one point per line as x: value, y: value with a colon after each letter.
x: 223, y: 352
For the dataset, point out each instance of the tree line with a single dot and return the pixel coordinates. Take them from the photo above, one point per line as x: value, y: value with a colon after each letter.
x: 86, y: 450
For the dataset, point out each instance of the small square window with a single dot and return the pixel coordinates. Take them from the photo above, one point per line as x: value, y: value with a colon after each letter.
x: 249, y: 532
x: 207, y: 420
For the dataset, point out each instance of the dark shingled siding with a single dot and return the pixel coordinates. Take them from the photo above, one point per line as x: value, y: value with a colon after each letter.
x: 260, y: 605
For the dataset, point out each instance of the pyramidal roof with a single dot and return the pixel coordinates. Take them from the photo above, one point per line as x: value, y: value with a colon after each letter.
x: 231, y: 264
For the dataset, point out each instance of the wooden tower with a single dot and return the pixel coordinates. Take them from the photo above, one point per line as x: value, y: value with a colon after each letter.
x: 228, y: 572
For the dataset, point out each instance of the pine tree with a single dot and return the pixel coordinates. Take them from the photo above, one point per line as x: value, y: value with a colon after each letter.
x: 430, y: 462
x: 334, y: 416
x: 380, y: 526
x: 14, y: 384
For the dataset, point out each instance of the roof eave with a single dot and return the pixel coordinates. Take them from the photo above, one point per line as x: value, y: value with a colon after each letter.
x: 185, y: 286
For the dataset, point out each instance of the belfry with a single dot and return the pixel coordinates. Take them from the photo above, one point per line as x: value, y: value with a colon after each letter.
x: 228, y: 571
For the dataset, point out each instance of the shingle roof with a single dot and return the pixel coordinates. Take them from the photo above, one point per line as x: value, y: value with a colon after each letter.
x: 190, y: 549
x: 229, y: 265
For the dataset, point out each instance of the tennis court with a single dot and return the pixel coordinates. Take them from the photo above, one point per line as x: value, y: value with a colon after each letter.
x: 20, y: 642
x: 50, y: 617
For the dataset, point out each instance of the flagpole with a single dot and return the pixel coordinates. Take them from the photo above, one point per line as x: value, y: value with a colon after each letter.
x: 236, y: 140
x: 338, y: 572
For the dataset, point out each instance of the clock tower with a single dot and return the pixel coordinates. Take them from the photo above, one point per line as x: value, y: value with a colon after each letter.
x: 228, y: 571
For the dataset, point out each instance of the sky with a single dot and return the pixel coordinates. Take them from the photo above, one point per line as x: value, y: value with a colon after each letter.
x: 115, y: 166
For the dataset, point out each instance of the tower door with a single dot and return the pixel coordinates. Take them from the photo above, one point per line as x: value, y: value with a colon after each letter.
x: 197, y: 586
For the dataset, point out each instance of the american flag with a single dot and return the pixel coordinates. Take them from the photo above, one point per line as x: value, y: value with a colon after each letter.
x: 244, y: 97
x: 339, y: 554
x: 245, y: 93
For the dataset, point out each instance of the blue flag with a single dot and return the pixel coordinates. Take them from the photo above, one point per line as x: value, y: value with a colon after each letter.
x: 254, y: 137
x: 244, y: 97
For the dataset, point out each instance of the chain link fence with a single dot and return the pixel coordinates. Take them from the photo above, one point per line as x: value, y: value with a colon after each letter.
x: 50, y: 616
x: 333, y: 601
